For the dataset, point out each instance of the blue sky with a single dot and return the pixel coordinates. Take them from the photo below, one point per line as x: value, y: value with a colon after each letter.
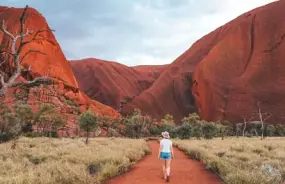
x: 134, y: 32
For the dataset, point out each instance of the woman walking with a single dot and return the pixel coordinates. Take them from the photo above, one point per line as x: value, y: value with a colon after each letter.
x: 166, y: 154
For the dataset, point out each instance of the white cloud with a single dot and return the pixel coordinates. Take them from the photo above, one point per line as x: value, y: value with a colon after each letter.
x: 135, y: 32
x: 170, y: 35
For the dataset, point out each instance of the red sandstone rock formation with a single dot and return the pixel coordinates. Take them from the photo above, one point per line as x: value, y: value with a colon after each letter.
x: 52, y: 64
x: 234, y: 67
x: 151, y: 70
x: 112, y: 83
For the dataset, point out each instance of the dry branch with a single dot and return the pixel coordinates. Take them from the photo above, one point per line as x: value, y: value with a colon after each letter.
x: 263, y: 117
x: 15, y: 53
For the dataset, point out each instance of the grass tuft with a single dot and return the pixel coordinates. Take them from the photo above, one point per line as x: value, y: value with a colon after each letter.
x: 67, y: 161
x: 240, y: 161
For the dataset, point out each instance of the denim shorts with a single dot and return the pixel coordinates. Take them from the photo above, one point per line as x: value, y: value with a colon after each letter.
x: 165, y: 156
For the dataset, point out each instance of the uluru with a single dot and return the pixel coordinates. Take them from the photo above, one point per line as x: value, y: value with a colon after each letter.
x: 144, y: 92
x: 112, y: 83
x: 223, y: 76
x: 46, y: 60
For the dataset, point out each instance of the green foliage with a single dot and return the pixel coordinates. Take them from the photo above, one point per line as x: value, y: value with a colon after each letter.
x: 270, y: 130
x: 209, y: 130
x: 14, y: 123
x: 136, y: 125
x: 88, y: 122
x: 183, y: 131
x: 105, y: 122
x: 71, y: 102
x: 167, y: 123
x: 10, y: 124
x: 168, y: 119
x: 23, y: 94
x: 44, y: 109
x: 115, y: 123
x: 48, y: 120
x: 222, y: 130
x: 25, y: 115
x: 192, y: 118
x: 155, y: 130
x: 280, y: 130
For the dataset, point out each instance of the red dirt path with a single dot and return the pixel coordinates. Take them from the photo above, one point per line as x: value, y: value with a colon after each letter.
x: 183, y: 171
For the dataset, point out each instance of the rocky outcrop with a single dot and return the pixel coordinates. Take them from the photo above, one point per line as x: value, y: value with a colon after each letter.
x: 64, y: 90
x: 53, y: 63
x: 227, y: 72
x: 112, y: 83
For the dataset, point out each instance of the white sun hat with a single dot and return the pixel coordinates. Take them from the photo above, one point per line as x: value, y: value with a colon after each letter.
x: 165, y: 135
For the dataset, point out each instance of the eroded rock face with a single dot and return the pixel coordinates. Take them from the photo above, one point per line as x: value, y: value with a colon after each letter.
x: 229, y: 71
x: 244, y: 67
x: 53, y: 64
x: 112, y: 83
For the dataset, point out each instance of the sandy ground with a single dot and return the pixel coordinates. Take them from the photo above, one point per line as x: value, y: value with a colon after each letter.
x: 183, y: 171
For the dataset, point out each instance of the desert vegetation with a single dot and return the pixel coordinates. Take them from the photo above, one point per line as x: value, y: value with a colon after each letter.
x: 50, y: 161
x: 20, y: 119
x: 137, y: 125
x: 243, y: 160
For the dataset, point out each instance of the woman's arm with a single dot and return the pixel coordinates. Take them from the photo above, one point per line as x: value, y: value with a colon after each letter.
x: 171, y: 149
x: 160, y: 148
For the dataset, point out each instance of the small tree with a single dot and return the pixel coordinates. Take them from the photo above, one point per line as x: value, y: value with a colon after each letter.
x: 197, y: 129
x: 137, y: 125
x: 183, y: 131
x: 270, y: 130
x: 192, y: 118
x: 10, y: 127
x: 25, y: 116
x: 280, y: 130
x: 43, y: 116
x: 168, y: 118
x: 115, y: 123
x: 56, y: 122
x: 105, y: 122
x: 245, y: 121
x: 263, y: 117
x: 209, y: 130
x: 167, y: 124
x: 221, y: 130
x: 88, y: 122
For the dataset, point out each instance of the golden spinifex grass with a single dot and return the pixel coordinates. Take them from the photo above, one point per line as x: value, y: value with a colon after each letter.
x: 240, y: 160
x: 62, y: 161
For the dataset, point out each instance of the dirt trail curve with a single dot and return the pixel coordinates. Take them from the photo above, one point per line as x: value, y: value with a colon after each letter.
x: 183, y: 171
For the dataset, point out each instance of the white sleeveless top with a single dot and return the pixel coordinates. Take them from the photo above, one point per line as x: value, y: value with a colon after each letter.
x: 166, y: 145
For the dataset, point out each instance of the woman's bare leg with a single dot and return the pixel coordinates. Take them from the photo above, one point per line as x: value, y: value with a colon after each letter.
x: 164, y: 169
x: 168, y: 164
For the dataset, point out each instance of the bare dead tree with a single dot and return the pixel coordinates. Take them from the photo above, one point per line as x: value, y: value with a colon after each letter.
x: 245, y: 121
x: 15, y: 53
x: 263, y: 117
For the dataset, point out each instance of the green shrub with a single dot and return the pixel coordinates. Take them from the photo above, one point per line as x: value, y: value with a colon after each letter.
x: 209, y: 130
x: 280, y: 130
x: 136, y: 125
x: 10, y: 124
x: 270, y: 130
x: 183, y: 131
x: 88, y: 122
